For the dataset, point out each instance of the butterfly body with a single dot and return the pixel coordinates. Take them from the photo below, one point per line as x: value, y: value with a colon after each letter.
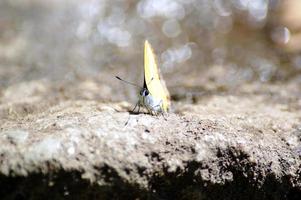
x: 154, y: 95
x: 152, y: 104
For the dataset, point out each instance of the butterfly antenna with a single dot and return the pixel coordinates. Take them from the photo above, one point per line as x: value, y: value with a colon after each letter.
x: 128, y: 82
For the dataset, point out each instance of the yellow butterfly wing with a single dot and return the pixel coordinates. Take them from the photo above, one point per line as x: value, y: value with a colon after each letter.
x: 153, y: 79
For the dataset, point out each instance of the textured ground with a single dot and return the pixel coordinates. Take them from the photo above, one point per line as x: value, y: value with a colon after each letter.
x: 221, y: 147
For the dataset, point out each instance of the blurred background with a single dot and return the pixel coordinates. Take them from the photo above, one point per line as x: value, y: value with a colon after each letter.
x: 73, y: 49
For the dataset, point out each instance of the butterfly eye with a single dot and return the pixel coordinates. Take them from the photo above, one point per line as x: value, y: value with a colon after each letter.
x: 144, y: 92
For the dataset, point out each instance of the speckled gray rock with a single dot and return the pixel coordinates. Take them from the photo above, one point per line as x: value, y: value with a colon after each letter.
x: 225, y: 148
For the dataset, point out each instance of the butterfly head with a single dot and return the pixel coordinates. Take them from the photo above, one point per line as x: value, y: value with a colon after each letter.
x: 144, y: 92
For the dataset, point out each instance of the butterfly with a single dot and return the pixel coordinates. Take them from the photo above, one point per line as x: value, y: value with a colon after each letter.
x: 154, y: 95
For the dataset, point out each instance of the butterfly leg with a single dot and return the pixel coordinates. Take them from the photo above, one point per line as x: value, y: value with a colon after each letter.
x: 137, y: 104
x: 135, y: 107
x: 160, y: 105
x: 149, y: 110
x: 154, y: 110
x: 139, y: 108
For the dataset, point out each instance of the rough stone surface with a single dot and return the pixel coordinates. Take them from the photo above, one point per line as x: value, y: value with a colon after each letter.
x: 222, y: 147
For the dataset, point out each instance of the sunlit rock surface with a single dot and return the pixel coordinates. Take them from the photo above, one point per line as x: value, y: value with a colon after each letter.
x: 248, y: 145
